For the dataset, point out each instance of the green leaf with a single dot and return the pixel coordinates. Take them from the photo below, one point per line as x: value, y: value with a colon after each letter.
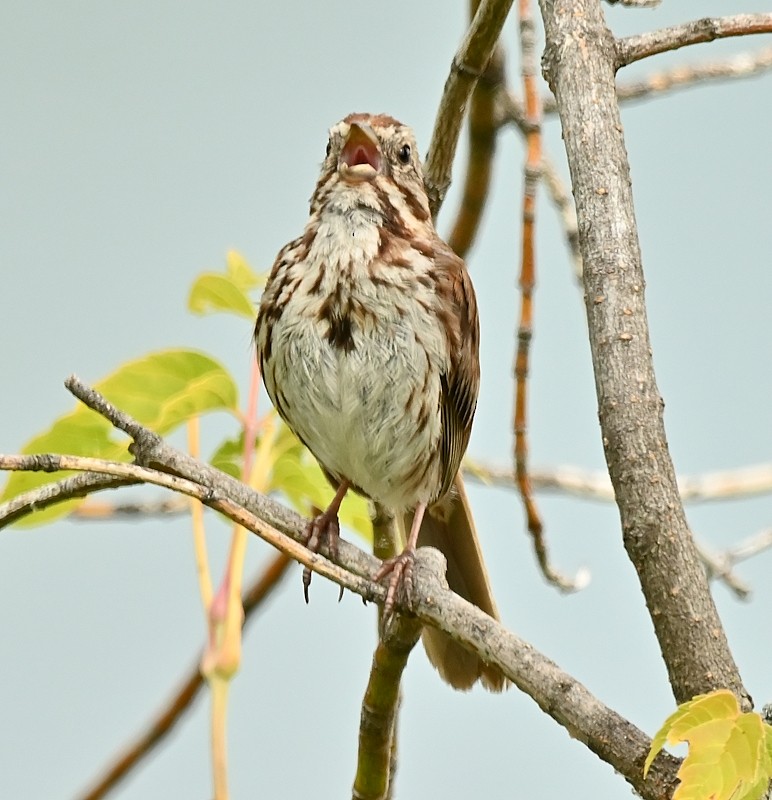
x: 730, y: 753
x: 298, y: 476
x: 295, y: 473
x: 161, y: 390
x: 229, y: 456
x: 240, y: 273
x: 79, y: 433
x: 215, y: 292
x: 164, y: 389
x: 212, y: 293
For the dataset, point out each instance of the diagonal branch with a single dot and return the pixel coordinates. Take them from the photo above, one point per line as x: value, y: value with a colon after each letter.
x: 609, y: 735
x: 468, y: 64
x: 580, y: 63
x: 634, y: 48
x: 483, y: 130
x: 213, y: 494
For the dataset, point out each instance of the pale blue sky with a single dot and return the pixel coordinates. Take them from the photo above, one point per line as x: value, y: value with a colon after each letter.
x: 141, y: 141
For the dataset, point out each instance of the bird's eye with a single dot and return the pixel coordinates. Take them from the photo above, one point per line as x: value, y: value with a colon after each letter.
x: 329, y: 148
x: 404, y: 154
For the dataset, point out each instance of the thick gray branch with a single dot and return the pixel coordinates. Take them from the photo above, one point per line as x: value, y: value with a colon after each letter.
x: 614, y: 739
x: 579, y: 64
x: 610, y: 736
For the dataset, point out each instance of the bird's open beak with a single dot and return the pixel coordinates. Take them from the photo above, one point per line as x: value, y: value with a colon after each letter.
x: 360, y: 158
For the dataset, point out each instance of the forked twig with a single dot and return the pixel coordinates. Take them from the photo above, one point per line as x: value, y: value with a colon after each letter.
x: 162, y: 724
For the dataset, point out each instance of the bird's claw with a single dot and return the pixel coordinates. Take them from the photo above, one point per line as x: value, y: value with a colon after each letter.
x: 400, y: 568
x: 324, y: 526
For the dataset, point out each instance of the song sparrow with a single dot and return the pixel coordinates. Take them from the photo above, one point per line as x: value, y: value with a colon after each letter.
x: 367, y: 337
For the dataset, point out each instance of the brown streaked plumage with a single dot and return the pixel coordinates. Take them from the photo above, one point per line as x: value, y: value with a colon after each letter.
x: 368, y: 341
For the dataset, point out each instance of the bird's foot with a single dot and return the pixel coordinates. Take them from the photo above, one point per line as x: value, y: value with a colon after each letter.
x: 400, y: 568
x: 324, y: 526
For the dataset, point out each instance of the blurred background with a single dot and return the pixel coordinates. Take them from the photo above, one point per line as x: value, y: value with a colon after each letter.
x: 140, y: 142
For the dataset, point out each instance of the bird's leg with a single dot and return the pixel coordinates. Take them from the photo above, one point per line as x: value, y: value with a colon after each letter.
x: 325, y: 525
x: 401, y: 567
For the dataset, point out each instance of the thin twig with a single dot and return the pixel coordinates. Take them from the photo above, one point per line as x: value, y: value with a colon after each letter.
x: 751, y: 546
x: 511, y: 111
x: 719, y: 565
x: 173, y: 710
x: 596, y: 485
x: 532, y: 173
x: 635, y: 3
x: 51, y: 462
x: 50, y: 494
x: 744, y: 65
x: 682, y: 76
x: 634, y: 48
x: 468, y: 64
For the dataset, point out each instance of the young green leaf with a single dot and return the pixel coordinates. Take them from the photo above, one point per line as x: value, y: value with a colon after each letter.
x: 214, y: 292
x: 295, y: 474
x: 161, y: 390
x: 730, y: 753
x: 240, y: 273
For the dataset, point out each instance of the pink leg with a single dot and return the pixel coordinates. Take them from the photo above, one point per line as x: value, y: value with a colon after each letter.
x: 325, y: 525
x: 401, y: 567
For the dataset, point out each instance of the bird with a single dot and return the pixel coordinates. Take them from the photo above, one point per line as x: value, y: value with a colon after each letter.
x: 367, y: 337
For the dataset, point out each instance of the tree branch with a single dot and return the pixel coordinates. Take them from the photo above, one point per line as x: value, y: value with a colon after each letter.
x: 531, y: 176
x: 610, y: 736
x: 720, y: 565
x: 483, y: 130
x: 173, y: 710
x: 377, y: 725
x: 596, y: 485
x: 744, y: 65
x: 579, y: 64
x: 212, y: 491
x: 52, y: 493
x: 468, y: 64
x: 511, y: 111
x: 634, y: 48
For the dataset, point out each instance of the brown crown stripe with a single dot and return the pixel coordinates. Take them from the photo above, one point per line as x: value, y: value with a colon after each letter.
x: 376, y: 120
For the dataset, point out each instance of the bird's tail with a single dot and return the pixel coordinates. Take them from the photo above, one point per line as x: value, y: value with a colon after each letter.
x: 449, y: 527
